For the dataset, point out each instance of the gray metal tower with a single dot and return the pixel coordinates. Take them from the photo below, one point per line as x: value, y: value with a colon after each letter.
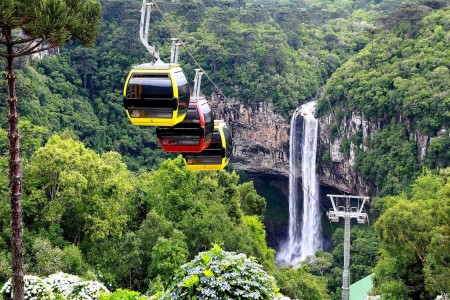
x: 344, y: 209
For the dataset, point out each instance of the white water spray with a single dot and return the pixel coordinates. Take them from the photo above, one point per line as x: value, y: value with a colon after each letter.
x: 311, y: 234
x: 291, y: 248
x: 302, y: 243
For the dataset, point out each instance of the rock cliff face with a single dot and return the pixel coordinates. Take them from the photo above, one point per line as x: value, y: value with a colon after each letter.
x: 261, y: 143
x: 338, y: 171
x: 260, y: 136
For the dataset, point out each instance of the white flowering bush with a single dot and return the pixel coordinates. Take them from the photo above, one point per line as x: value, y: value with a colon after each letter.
x: 62, y: 283
x: 87, y: 290
x: 218, y: 274
x: 34, y: 288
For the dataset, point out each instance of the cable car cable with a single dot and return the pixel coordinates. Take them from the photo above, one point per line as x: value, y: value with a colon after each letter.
x: 227, y: 99
x: 329, y: 105
x: 193, y: 58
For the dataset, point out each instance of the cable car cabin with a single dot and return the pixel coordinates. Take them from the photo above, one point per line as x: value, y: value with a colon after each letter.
x: 193, y: 134
x: 156, y: 95
x: 217, y: 155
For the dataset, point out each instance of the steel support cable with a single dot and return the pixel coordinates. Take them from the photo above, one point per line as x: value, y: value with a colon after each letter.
x: 307, y: 190
x: 226, y: 98
x: 193, y: 58
x: 220, y: 91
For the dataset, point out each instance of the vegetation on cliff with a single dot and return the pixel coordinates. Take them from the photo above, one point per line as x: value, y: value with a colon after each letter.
x: 399, y: 83
x: 132, y: 219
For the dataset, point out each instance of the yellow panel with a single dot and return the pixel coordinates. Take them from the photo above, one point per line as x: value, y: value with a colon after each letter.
x: 156, y: 121
x: 219, y: 124
x: 207, y: 167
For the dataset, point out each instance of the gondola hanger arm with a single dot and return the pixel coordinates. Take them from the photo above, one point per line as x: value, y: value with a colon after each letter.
x: 144, y: 26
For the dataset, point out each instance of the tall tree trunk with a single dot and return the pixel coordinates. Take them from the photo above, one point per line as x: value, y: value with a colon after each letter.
x: 15, y: 182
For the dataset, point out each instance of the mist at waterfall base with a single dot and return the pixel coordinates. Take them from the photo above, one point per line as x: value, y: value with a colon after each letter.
x: 275, y: 189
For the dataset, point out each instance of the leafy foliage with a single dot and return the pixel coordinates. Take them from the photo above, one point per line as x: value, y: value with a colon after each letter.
x: 131, y: 229
x: 399, y: 83
x: 414, y: 234
x: 54, y: 21
x: 122, y: 295
x: 218, y: 274
x: 84, y: 191
x: 328, y: 266
x: 300, y: 284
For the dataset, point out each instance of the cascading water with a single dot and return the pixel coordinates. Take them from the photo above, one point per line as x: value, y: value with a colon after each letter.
x: 311, y: 238
x: 291, y: 248
x: 302, y: 243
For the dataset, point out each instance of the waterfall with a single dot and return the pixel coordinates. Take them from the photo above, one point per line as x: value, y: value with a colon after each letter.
x: 305, y: 242
x: 311, y: 239
x: 291, y: 248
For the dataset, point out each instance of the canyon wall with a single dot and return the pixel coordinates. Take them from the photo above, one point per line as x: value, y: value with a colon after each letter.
x: 260, y: 136
x: 261, y: 143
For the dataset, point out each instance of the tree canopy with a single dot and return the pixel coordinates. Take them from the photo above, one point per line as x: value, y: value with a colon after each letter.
x: 414, y: 234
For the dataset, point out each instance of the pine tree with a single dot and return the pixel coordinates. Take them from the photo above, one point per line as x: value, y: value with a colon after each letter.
x: 28, y: 27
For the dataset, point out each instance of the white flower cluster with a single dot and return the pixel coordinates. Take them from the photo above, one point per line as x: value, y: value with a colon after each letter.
x: 218, y: 274
x: 87, y: 290
x: 34, y: 289
x: 62, y: 283
x: 68, y: 286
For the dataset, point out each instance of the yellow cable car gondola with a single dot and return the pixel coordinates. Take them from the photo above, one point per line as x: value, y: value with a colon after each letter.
x: 156, y: 95
x: 217, y: 155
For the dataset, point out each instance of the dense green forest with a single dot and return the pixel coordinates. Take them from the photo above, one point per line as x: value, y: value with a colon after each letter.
x: 400, y: 83
x: 102, y: 201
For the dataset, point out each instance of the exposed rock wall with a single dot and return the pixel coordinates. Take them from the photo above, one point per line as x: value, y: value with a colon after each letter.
x: 261, y: 143
x: 339, y: 170
x: 260, y: 136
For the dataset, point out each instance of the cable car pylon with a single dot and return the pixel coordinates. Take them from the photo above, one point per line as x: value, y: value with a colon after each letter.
x: 347, y: 212
x: 146, y: 11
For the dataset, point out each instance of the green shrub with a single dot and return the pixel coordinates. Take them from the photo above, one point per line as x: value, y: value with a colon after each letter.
x: 123, y: 295
x: 218, y: 274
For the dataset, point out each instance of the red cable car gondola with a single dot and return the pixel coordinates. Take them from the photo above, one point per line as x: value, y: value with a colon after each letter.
x: 193, y: 134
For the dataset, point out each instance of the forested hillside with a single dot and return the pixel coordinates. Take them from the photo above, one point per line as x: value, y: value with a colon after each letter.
x: 280, y: 52
x: 89, y: 213
x: 400, y: 83
x: 276, y: 52
x: 103, y: 201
